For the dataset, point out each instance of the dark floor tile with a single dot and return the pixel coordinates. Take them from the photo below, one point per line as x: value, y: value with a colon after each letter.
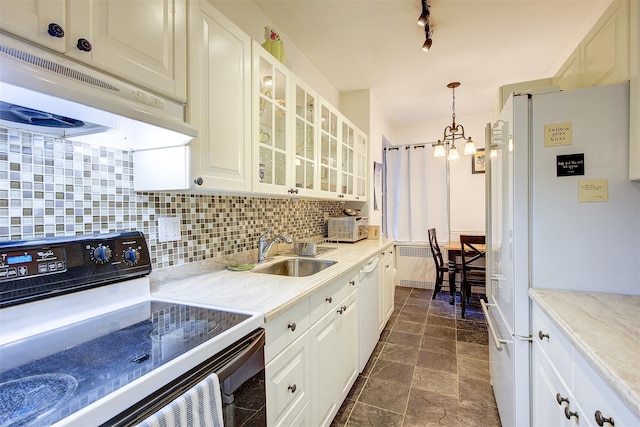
x: 471, y: 325
x: 373, y: 358
x: 419, y: 301
x: 435, y: 381
x: 421, y: 293
x: 366, y: 415
x: 399, y: 354
x: 343, y: 414
x: 404, y: 338
x: 437, y: 361
x: 439, y: 345
x: 475, y: 393
x: 384, y: 335
x: 409, y: 308
x: 473, y: 368
x: 418, y: 317
x: 426, y: 409
x: 409, y: 327
x: 441, y: 321
x: 442, y: 311
x: 357, y: 387
x: 472, y: 350
x: 475, y: 337
x: 391, y: 372
x: 479, y: 416
x: 385, y: 395
x: 439, y: 332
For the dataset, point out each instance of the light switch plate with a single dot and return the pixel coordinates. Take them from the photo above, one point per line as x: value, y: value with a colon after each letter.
x: 168, y: 229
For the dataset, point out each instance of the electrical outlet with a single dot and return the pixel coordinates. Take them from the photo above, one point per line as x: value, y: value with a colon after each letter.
x: 168, y: 229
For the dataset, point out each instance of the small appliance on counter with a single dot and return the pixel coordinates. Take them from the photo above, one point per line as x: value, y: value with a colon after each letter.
x: 348, y: 228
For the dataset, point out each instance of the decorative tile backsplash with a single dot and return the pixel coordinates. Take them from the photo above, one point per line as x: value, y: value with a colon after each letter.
x: 56, y: 187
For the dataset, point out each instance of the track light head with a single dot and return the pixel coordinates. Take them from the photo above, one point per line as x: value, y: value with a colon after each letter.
x: 427, y: 45
x: 424, y: 16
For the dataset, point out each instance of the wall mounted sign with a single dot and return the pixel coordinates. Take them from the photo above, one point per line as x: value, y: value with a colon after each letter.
x: 593, y: 190
x: 570, y: 164
x: 557, y: 134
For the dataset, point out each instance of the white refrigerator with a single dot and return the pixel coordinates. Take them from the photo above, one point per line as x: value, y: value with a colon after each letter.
x: 561, y: 214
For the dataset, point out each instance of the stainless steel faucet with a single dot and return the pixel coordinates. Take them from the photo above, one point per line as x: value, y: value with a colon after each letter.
x: 264, y: 245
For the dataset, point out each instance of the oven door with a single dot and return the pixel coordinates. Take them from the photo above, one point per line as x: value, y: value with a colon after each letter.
x: 240, y: 369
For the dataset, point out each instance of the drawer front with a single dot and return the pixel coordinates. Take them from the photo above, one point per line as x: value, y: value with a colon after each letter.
x: 287, y: 380
x: 286, y: 328
x: 595, y: 395
x: 327, y: 298
x: 553, y: 342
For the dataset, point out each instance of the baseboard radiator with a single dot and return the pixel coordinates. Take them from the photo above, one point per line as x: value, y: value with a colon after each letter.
x: 415, y: 266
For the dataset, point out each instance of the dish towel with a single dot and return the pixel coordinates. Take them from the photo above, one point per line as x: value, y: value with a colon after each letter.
x: 200, y: 406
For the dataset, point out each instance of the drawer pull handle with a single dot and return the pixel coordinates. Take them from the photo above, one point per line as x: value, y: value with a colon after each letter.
x: 352, y: 283
x: 292, y: 326
x: 561, y: 399
x: 342, y: 309
x: 542, y: 335
x: 329, y: 300
x: 292, y: 388
x: 568, y: 414
x: 600, y: 420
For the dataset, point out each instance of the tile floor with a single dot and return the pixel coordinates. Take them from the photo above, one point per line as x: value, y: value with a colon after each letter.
x: 430, y: 368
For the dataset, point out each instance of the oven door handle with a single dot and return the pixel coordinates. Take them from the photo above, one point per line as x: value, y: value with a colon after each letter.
x: 241, y: 358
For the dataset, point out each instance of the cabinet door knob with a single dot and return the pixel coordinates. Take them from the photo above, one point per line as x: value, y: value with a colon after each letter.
x: 568, y: 414
x: 561, y: 399
x: 329, y: 300
x: 198, y: 181
x: 292, y: 326
x: 84, y: 45
x: 340, y: 310
x: 600, y: 420
x: 292, y: 388
x: 55, y: 30
x: 542, y: 335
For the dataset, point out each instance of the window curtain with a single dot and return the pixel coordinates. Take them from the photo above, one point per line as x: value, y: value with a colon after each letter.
x: 416, y: 194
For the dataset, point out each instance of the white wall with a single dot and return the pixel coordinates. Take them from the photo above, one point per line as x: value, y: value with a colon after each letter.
x: 467, y: 213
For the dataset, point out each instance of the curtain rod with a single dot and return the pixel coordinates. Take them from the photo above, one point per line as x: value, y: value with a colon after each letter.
x: 407, y: 146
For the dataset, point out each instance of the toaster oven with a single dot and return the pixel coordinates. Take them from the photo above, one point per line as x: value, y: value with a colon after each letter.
x: 348, y: 228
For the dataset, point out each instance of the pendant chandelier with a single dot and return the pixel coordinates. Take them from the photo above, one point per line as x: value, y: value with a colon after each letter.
x: 453, y: 132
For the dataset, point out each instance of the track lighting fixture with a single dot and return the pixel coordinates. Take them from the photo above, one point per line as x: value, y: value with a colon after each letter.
x: 423, y: 20
x: 428, y: 40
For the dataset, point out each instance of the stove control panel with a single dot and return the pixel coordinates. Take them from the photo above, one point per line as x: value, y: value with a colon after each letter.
x: 48, y: 266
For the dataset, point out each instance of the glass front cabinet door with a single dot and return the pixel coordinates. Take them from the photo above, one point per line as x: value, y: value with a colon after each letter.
x: 306, y: 153
x: 271, y: 160
x: 328, y: 165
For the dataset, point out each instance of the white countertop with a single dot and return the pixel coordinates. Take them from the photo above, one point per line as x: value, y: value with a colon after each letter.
x: 605, y: 329
x: 256, y: 292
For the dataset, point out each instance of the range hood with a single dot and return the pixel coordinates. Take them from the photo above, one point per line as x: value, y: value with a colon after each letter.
x: 44, y: 92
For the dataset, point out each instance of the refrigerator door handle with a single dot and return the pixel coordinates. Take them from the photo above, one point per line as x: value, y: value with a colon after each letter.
x: 496, y: 341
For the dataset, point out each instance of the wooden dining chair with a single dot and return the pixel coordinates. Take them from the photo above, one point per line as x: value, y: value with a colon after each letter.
x: 473, y: 267
x: 441, y: 267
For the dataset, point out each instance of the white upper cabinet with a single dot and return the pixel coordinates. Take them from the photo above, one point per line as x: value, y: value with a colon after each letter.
x: 219, y: 101
x: 271, y: 129
x: 305, y: 156
x: 328, y: 165
x: 141, y: 41
x: 41, y: 21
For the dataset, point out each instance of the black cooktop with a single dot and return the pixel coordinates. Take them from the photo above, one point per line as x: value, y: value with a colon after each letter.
x: 47, y: 377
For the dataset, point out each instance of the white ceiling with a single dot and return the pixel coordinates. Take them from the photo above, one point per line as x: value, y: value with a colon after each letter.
x: 484, y: 44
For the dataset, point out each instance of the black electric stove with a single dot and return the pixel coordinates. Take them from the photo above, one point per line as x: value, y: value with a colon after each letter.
x: 111, y: 356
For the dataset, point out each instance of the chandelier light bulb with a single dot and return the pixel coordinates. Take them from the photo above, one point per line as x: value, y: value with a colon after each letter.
x: 453, y: 153
x: 469, y: 147
x: 438, y: 149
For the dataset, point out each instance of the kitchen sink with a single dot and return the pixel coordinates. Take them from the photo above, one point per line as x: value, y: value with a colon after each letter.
x: 296, y: 267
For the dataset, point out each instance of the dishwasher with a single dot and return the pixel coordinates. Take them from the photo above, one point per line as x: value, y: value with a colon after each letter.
x: 369, y: 303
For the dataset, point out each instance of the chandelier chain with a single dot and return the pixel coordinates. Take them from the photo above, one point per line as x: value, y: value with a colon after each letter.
x: 453, y: 107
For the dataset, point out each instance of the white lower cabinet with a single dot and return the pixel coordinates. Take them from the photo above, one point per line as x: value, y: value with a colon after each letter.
x: 387, y: 286
x: 567, y: 391
x: 311, y: 355
x: 334, y: 359
x: 287, y: 380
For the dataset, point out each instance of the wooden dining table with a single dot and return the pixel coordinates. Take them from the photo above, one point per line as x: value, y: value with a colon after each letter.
x: 454, y: 250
